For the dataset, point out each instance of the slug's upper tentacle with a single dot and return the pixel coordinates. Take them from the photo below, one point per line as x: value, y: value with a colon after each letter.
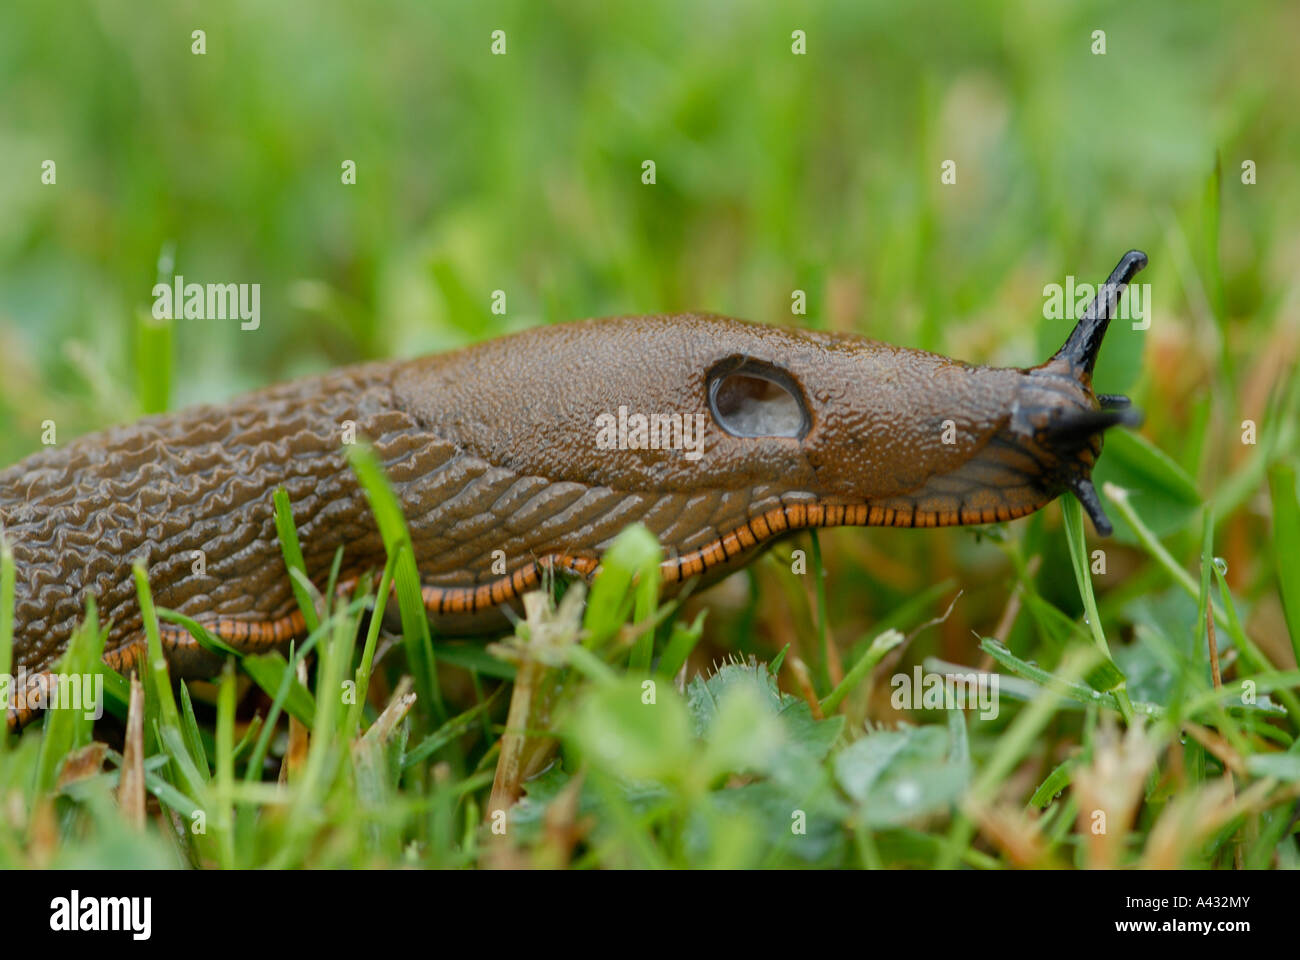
x: 1081, y: 349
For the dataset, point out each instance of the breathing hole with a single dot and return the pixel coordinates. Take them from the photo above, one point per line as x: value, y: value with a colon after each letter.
x: 754, y: 400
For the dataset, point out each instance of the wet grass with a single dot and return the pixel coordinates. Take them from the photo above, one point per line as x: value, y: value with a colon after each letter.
x: 1148, y: 693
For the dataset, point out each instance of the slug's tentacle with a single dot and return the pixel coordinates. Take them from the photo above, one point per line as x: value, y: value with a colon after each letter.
x: 1077, y: 425
x: 1082, y: 488
x: 1081, y: 349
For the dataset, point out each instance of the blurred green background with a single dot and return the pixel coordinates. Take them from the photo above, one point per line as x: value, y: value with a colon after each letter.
x: 775, y: 172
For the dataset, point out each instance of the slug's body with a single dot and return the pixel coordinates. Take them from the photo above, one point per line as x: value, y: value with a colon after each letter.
x: 497, y: 455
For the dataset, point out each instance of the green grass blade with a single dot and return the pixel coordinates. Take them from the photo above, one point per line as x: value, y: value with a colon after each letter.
x: 449, y: 731
x: 224, y: 780
x: 681, y: 642
x: 874, y: 654
x: 190, y: 729
x: 268, y: 671
x: 153, y: 362
x: 633, y: 558
x: 7, y: 576
x: 823, y: 628
x: 68, y: 728
x: 293, y: 561
x: 397, y: 541
x: 157, y: 680
x: 1286, y: 545
x: 368, y: 650
x: 205, y: 637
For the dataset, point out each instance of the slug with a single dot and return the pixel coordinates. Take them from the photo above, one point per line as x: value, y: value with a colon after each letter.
x: 530, y: 453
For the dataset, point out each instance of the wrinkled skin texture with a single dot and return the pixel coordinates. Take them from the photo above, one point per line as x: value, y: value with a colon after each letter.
x: 492, y: 448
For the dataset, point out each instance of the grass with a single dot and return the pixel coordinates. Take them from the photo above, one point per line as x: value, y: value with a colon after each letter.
x: 771, y: 739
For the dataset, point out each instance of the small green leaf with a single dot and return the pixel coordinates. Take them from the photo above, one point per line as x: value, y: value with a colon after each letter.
x: 629, y: 574
x: 622, y: 735
x: 744, y: 735
x: 1056, y: 781
x: 807, y: 739
x: 898, y: 775
x: 681, y: 642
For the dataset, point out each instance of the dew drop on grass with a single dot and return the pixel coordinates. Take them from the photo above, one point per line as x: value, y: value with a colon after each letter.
x: 1221, y: 565
x: 907, y: 793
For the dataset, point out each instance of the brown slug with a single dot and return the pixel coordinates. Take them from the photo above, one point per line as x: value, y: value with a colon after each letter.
x: 529, y: 452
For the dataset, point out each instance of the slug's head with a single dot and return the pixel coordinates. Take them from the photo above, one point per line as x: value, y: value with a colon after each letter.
x: 698, y: 423
x: 1057, y: 419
